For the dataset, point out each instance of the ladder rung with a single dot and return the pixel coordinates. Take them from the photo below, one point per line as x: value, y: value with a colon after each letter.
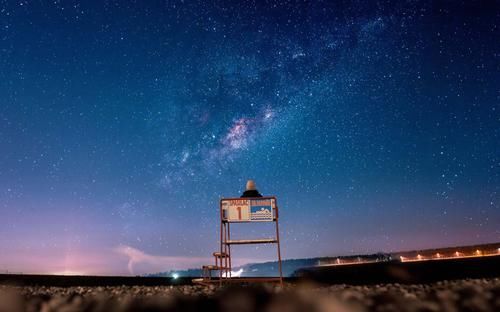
x: 214, y: 267
x: 251, y: 241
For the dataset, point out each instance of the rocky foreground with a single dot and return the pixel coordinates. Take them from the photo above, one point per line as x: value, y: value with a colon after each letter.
x: 461, y: 295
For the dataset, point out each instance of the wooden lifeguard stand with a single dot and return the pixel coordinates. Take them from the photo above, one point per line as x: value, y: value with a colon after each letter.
x: 237, y: 211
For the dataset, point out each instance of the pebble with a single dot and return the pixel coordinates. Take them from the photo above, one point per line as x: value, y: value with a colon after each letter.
x: 452, y: 296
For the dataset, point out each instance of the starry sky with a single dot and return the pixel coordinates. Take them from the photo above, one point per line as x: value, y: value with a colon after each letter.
x: 122, y: 124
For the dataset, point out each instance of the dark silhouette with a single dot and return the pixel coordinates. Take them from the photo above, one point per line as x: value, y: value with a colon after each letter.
x: 251, y: 190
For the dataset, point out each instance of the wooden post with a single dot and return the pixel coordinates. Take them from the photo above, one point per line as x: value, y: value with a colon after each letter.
x: 221, y: 242
x: 278, y: 239
x: 229, y: 250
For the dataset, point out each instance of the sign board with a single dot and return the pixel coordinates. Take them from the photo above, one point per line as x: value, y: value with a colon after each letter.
x: 248, y: 209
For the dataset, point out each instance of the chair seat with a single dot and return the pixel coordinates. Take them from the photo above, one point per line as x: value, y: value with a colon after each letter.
x: 251, y: 241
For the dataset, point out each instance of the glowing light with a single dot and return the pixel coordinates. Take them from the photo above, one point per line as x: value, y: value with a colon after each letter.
x: 175, y: 276
x: 233, y: 273
x: 68, y: 272
x: 422, y: 257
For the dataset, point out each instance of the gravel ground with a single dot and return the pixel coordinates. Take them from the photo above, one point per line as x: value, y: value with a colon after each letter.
x: 462, y: 295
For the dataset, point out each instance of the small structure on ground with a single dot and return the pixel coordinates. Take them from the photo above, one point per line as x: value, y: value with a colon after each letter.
x: 250, y: 208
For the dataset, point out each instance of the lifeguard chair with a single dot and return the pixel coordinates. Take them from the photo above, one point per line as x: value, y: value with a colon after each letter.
x: 237, y: 211
x: 251, y: 207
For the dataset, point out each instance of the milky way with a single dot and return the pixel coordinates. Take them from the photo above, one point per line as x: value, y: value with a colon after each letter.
x: 122, y: 124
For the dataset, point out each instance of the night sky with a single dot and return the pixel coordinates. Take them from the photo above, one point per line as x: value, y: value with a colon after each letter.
x: 122, y: 124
